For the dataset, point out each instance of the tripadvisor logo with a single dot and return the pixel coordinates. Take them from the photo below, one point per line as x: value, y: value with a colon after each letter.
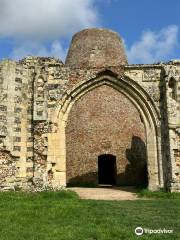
x: 139, y: 231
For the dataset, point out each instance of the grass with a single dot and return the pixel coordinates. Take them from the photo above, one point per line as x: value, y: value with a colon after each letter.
x: 145, y: 193
x: 63, y: 216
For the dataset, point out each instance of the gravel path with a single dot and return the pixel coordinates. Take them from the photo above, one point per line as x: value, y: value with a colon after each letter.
x: 119, y: 193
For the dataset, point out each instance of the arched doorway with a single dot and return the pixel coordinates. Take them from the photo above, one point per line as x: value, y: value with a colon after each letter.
x: 142, y: 102
x: 105, y: 121
x: 107, y: 170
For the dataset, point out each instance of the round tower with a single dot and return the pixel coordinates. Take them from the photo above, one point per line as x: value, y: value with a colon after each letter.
x: 96, y: 48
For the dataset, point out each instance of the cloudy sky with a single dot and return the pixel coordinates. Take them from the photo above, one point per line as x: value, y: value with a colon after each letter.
x: 150, y: 29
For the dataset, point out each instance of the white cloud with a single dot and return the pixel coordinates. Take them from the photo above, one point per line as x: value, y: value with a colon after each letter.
x: 45, y: 19
x: 154, y: 46
x: 33, y: 24
x: 38, y: 49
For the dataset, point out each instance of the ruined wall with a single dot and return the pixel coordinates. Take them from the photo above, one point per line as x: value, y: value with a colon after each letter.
x: 15, y: 126
x: 162, y: 82
x: 104, y: 121
x: 26, y: 98
x: 31, y: 91
x: 33, y: 97
x: 172, y: 81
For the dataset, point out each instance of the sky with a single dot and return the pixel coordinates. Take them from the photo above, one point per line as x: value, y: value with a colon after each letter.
x: 150, y: 29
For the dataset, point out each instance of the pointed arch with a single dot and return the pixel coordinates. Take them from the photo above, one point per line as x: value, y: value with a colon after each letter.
x: 141, y: 100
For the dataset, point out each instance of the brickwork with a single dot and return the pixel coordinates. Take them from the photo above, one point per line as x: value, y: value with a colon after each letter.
x: 96, y: 48
x: 56, y: 119
x: 104, y: 121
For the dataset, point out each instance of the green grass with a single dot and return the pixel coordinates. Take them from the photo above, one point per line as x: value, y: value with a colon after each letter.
x: 62, y: 215
x: 145, y: 193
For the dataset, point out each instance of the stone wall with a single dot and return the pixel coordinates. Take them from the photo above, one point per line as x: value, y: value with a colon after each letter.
x: 172, y: 79
x: 39, y: 97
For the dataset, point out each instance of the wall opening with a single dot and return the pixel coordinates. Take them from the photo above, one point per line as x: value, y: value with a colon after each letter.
x: 172, y: 87
x: 107, y: 169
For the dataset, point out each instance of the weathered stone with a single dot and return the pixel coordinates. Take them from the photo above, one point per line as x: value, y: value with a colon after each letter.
x: 57, y: 121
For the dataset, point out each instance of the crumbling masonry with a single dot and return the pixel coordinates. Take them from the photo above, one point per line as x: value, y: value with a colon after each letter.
x: 57, y: 120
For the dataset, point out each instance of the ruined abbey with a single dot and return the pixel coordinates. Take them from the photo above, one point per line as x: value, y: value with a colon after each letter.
x: 93, y: 120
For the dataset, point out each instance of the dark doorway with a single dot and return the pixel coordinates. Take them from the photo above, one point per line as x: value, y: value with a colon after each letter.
x: 107, y: 169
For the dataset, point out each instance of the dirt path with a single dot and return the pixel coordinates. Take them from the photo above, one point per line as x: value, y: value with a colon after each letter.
x: 121, y: 193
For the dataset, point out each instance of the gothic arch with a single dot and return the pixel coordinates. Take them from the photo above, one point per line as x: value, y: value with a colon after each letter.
x: 141, y: 100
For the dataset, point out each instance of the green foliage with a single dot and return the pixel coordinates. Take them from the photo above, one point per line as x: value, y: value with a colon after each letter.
x: 62, y: 215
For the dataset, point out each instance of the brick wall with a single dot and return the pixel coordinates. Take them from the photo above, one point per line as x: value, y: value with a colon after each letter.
x: 104, y: 121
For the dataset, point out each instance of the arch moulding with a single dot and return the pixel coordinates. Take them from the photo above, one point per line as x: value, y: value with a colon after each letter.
x: 141, y: 100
